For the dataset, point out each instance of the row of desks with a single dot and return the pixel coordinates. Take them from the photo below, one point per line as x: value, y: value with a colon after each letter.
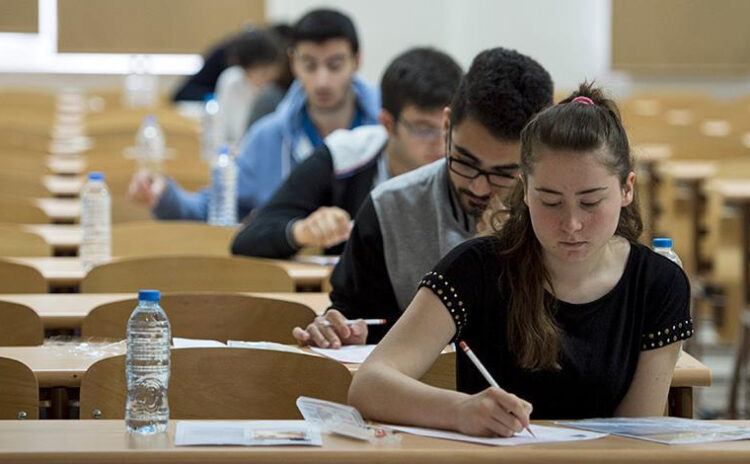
x: 106, y: 441
x: 69, y: 271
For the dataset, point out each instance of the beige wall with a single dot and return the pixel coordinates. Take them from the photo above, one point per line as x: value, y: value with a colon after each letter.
x: 150, y: 26
x: 19, y: 16
x: 692, y: 37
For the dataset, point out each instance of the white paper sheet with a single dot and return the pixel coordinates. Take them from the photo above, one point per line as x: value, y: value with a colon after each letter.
x: 352, y: 354
x: 178, y: 342
x: 543, y: 435
x: 667, y: 430
x: 265, y: 346
x: 247, y: 433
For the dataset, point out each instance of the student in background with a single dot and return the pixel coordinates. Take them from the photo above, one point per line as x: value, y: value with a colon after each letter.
x: 315, y: 204
x: 269, y: 99
x: 408, y: 223
x: 255, y: 58
x: 326, y: 96
x: 569, y: 313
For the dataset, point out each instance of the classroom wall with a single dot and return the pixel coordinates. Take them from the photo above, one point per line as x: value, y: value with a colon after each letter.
x: 571, y: 38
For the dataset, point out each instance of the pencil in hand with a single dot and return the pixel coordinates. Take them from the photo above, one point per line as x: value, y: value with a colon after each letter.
x: 483, y: 370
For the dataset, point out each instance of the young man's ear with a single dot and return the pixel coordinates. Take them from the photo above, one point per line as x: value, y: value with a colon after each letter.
x: 387, y: 120
x: 446, y: 121
x: 357, y: 60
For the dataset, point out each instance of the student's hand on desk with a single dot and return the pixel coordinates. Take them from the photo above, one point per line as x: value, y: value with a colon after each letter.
x: 146, y: 188
x: 326, y: 227
x: 334, y: 334
x: 492, y: 412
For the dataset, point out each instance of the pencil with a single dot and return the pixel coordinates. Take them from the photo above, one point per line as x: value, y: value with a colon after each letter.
x: 354, y: 321
x: 483, y: 370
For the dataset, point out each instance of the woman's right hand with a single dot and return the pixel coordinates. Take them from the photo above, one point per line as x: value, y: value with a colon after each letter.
x: 492, y: 412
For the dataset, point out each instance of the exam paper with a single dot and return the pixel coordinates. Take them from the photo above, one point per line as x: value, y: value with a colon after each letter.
x: 543, y: 435
x: 667, y: 430
x: 265, y: 346
x: 247, y: 433
x: 353, y: 354
x: 178, y: 342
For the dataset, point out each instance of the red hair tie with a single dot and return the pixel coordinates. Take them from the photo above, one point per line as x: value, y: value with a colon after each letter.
x: 584, y: 100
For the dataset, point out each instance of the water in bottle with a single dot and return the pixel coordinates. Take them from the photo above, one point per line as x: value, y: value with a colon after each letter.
x: 147, y: 366
x: 663, y: 246
x: 96, y: 221
x: 222, y: 207
x: 150, y: 145
x: 211, y: 132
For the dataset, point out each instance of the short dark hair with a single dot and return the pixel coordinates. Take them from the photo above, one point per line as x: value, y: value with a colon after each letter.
x: 254, y: 47
x: 502, y: 91
x: 321, y: 25
x: 424, y: 77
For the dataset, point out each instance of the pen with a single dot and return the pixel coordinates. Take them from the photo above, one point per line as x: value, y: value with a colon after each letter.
x: 483, y: 370
x: 354, y: 321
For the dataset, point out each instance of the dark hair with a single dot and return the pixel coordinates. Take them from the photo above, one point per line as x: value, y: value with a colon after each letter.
x: 502, y: 91
x: 424, y: 77
x: 283, y: 33
x: 254, y: 47
x: 321, y: 25
x: 578, y: 127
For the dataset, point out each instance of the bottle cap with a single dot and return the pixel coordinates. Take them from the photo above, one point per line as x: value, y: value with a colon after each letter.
x: 96, y: 176
x: 149, y: 295
x: 662, y: 242
x: 208, y: 97
x: 224, y: 149
x: 150, y: 119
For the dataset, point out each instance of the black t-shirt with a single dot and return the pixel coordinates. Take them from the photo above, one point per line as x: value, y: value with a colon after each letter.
x: 600, y: 341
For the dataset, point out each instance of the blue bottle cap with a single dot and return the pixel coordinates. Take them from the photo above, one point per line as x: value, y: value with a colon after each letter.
x: 224, y: 149
x: 149, y: 295
x: 208, y: 97
x: 96, y: 176
x: 662, y: 242
x: 150, y: 119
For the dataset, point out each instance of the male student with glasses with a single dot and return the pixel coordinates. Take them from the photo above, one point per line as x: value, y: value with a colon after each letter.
x: 406, y: 225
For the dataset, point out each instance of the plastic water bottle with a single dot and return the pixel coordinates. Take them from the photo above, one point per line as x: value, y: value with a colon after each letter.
x: 150, y: 145
x: 211, y: 135
x: 222, y: 207
x: 96, y: 221
x: 663, y: 246
x: 147, y: 366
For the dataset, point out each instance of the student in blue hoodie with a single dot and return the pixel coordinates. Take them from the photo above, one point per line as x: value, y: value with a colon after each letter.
x: 327, y: 96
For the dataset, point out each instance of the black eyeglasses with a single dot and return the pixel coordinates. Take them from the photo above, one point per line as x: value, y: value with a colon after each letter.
x: 503, y: 180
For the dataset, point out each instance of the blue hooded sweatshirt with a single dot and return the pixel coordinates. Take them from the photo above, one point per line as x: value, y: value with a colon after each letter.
x: 269, y: 151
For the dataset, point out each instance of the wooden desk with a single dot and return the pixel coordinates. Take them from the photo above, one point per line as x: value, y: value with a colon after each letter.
x: 647, y: 156
x: 63, y: 186
x: 106, y: 441
x: 67, y: 310
x: 59, y: 366
x: 66, y: 165
x: 737, y: 193
x: 60, y: 210
x: 68, y: 271
x: 63, y: 238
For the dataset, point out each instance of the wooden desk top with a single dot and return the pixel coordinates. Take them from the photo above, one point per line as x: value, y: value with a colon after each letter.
x: 106, y: 441
x: 63, y: 186
x: 61, y: 237
x: 63, y: 365
x: 737, y: 190
x: 687, y: 170
x: 67, y: 310
x: 65, y: 165
x: 66, y: 210
x: 69, y: 271
x: 651, y: 152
